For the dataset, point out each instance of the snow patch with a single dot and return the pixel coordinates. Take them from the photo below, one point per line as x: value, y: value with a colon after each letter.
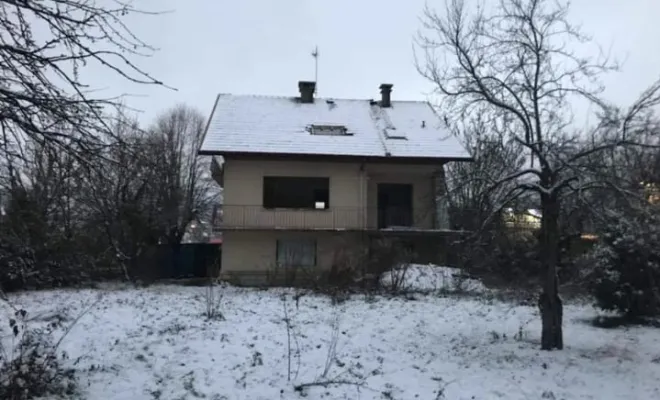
x: 420, y: 277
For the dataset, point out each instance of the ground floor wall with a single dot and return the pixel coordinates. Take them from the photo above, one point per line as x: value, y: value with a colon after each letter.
x: 251, y: 257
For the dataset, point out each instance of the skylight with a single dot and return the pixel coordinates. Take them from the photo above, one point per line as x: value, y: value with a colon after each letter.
x: 391, y: 133
x: 329, y: 130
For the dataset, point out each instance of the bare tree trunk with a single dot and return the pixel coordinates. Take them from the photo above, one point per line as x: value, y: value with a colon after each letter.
x: 549, y: 302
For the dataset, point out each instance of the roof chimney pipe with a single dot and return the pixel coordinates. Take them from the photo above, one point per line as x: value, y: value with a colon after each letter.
x: 307, y: 89
x: 386, y: 95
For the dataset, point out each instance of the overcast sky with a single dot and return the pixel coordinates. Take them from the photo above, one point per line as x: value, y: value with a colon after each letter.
x: 263, y: 47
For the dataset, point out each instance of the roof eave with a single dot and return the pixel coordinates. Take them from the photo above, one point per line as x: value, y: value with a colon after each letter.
x: 336, y: 157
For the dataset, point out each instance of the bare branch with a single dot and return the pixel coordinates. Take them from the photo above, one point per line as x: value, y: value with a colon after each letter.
x: 43, y: 47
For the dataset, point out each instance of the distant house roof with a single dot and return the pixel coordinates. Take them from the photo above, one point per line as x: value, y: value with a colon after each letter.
x: 252, y: 125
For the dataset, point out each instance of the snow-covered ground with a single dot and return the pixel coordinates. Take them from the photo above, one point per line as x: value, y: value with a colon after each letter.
x: 155, y: 343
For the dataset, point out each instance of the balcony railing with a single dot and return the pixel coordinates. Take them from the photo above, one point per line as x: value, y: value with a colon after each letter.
x: 395, y: 216
x: 335, y: 218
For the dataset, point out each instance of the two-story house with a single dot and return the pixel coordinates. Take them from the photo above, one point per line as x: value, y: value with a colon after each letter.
x: 306, y: 178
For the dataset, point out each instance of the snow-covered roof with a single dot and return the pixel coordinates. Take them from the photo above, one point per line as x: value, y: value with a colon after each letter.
x: 245, y: 124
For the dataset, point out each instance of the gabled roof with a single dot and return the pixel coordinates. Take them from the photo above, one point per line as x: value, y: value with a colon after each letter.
x: 241, y: 124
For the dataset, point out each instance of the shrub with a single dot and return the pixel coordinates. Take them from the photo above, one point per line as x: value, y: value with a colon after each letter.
x: 52, y: 264
x: 33, y: 368
x: 509, y: 258
x: 391, y: 257
x: 213, y: 301
x: 516, y: 257
x: 626, y: 267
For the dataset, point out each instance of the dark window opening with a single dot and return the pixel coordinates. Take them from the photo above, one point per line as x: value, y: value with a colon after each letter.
x: 296, y: 253
x: 296, y: 192
x: 395, y: 205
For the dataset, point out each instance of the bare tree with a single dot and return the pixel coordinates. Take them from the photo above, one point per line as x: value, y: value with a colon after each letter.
x: 149, y: 186
x: 42, y: 222
x: 517, y: 64
x: 470, y: 192
x: 185, y: 187
x: 123, y: 207
x: 44, y: 45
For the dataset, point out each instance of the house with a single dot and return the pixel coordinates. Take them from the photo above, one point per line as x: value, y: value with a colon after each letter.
x: 309, y: 182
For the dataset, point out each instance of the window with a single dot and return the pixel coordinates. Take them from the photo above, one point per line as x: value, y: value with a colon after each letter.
x: 328, y: 130
x: 296, y: 192
x: 296, y: 253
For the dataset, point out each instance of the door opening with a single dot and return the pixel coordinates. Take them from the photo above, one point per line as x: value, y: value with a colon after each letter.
x: 395, y: 206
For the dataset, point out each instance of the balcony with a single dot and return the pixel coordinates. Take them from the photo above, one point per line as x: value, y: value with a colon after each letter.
x: 242, y: 217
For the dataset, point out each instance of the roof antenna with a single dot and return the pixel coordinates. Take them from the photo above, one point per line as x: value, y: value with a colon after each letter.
x: 315, y: 54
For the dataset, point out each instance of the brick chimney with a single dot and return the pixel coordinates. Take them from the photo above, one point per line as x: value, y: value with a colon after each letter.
x: 386, y: 95
x: 306, y: 89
